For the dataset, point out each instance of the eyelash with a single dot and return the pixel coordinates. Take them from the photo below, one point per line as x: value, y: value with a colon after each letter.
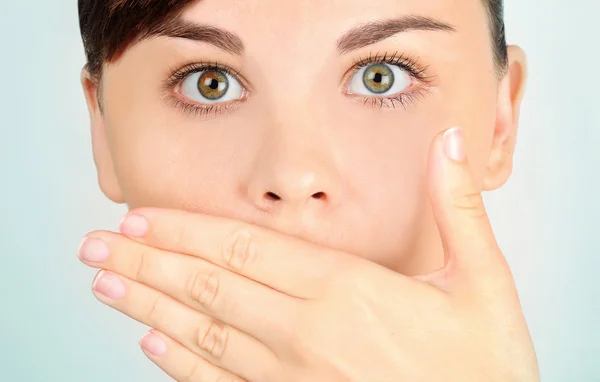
x: 193, y: 109
x: 404, y: 62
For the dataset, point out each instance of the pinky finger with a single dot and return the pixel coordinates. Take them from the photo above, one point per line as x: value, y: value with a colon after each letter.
x: 180, y: 363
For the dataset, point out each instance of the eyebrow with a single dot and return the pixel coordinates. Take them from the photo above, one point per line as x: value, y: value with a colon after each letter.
x: 375, y: 31
x: 220, y: 38
x: 356, y: 38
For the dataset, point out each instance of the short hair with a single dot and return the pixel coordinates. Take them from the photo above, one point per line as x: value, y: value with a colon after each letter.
x: 495, y: 9
x: 109, y: 27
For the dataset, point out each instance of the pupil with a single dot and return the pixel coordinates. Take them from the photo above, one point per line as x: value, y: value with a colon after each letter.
x: 213, y: 85
x: 378, y: 78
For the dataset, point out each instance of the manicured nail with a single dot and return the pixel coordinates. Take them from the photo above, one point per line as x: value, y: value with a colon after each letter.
x: 93, y: 250
x: 454, y: 144
x: 153, y: 344
x: 109, y: 285
x: 134, y: 225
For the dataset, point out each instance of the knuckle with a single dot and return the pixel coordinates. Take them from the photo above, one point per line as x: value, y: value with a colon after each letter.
x: 140, y: 267
x: 213, y: 339
x: 203, y: 287
x: 471, y: 203
x: 154, y: 313
x: 239, y: 250
x: 194, y: 374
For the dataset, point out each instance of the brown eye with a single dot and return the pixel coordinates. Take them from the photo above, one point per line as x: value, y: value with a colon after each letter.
x: 213, y: 84
x: 378, y: 78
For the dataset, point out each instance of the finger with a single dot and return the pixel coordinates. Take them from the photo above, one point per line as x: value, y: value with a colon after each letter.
x: 470, y: 246
x: 180, y: 363
x: 218, y: 343
x: 290, y: 265
x: 203, y: 286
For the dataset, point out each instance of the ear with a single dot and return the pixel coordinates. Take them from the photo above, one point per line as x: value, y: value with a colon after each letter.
x: 107, y: 178
x: 510, y: 95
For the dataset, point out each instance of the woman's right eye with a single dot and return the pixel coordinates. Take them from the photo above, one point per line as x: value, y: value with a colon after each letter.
x: 211, y: 86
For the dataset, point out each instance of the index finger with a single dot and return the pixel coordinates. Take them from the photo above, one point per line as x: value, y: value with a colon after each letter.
x: 282, y: 262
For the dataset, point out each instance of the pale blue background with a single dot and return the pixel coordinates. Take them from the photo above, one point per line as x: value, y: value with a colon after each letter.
x: 53, y: 329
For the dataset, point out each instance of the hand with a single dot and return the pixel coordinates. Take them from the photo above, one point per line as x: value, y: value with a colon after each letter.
x: 232, y: 300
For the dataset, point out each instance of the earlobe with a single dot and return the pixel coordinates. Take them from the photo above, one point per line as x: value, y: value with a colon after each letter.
x: 107, y: 178
x: 510, y: 96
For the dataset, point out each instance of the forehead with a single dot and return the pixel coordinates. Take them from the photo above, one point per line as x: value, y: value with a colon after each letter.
x: 284, y: 18
x: 307, y: 30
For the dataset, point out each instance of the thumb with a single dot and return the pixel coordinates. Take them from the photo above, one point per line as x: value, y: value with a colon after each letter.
x: 473, y: 258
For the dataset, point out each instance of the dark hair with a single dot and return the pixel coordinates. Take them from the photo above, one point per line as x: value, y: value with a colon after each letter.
x: 108, y: 27
x: 495, y: 10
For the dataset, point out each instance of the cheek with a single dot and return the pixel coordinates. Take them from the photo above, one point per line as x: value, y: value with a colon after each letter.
x: 385, y: 158
x: 394, y: 203
x: 163, y: 159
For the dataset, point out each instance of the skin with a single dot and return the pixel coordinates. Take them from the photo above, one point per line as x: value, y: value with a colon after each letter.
x: 370, y: 163
x: 297, y: 136
x: 205, y: 283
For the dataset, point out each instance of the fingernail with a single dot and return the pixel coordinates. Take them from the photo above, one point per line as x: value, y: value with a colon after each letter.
x: 109, y: 285
x: 454, y: 144
x: 93, y: 250
x: 153, y: 344
x: 134, y: 225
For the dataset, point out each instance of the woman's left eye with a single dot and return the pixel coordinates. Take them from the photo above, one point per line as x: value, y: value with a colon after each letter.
x: 380, y: 79
x: 211, y: 86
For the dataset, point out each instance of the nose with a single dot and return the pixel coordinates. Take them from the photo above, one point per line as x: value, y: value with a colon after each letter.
x: 294, y: 173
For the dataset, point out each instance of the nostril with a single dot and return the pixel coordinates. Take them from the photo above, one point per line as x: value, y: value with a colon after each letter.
x: 319, y: 195
x: 272, y: 196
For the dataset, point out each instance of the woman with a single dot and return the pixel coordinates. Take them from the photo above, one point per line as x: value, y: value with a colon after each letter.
x: 300, y: 210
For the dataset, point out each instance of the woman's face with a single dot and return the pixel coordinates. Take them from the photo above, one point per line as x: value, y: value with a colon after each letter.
x: 315, y: 132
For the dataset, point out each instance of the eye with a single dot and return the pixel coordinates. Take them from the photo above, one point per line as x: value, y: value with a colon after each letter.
x: 380, y: 79
x: 211, y: 86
